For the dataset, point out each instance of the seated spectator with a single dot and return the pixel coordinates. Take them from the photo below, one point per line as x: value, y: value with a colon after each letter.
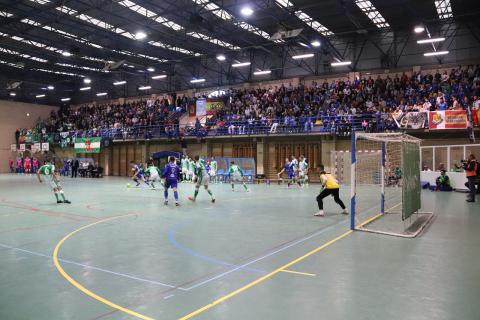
x: 443, y: 182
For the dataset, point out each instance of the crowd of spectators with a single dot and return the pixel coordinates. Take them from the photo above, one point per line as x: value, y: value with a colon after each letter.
x: 369, y: 103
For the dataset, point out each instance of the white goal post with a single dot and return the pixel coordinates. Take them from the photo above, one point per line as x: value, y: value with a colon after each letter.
x: 385, y: 169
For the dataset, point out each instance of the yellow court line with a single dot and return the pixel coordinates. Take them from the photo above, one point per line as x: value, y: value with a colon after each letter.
x: 300, y: 273
x: 274, y: 272
x: 82, y: 288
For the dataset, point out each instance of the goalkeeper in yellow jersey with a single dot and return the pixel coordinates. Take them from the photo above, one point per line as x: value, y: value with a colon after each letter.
x: 330, y: 186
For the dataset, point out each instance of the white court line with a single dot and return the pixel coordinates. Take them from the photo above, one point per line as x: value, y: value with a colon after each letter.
x: 38, y: 254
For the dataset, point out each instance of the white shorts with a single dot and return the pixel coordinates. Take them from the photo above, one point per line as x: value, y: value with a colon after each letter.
x: 190, y: 172
x: 213, y: 173
x: 202, y: 180
x: 301, y: 174
x: 184, y: 170
x: 154, y: 177
x: 236, y: 177
x: 53, y: 183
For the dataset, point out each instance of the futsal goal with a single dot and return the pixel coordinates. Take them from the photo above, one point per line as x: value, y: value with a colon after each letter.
x: 385, y: 185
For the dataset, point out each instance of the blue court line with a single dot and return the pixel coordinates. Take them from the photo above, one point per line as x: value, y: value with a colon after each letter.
x: 38, y: 254
x: 172, y: 239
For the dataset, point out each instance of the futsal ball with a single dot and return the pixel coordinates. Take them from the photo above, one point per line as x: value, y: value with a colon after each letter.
x: 128, y: 185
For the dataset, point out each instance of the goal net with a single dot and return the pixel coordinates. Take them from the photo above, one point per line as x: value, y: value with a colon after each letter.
x: 385, y: 184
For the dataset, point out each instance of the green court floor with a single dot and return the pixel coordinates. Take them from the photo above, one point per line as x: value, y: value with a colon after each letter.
x: 122, y: 254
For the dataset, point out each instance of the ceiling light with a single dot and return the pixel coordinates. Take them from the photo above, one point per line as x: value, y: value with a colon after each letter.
x: 87, y: 81
x: 246, y: 11
x: 50, y: 87
x: 241, y: 64
x: 66, y: 54
x: 419, y: 29
x: 160, y: 76
x: 12, y: 94
x: 65, y: 99
x: 341, y: 63
x: 197, y: 80
x: 258, y: 73
x: 101, y: 94
x: 303, y: 56
x: 144, y: 88
x: 221, y: 57
x: 431, y: 40
x: 140, y: 35
x: 85, y: 88
x: 40, y: 96
x: 151, y: 69
x: 118, y: 83
x: 315, y: 43
x: 303, y: 44
x: 436, y: 53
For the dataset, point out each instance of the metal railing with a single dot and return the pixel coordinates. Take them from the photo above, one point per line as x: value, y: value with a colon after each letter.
x: 340, y: 125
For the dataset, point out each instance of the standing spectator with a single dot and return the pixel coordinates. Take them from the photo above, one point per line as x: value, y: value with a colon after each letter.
x: 75, y: 166
x: 471, y: 167
x: 10, y: 165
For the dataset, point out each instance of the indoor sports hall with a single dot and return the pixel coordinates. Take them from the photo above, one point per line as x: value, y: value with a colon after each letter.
x: 197, y: 159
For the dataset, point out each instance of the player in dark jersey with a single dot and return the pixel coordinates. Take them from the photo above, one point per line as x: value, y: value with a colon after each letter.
x: 138, y: 174
x: 171, y: 174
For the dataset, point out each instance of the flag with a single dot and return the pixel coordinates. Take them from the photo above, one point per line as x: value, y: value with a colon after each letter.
x: 88, y: 145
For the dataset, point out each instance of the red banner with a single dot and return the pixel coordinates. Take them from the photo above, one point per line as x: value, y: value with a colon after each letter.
x: 448, y: 119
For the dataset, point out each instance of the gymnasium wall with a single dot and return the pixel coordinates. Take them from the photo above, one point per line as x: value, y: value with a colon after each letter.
x: 13, y: 115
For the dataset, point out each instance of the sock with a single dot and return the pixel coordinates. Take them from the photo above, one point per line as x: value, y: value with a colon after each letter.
x: 245, y: 186
x: 153, y: 186
x: 165, y: 194
x: 233, y: 186
x: 195, y: 194
x: 62, y: 195
x: 56, y: 196
x: 210, y: 192
x: 175, y: 194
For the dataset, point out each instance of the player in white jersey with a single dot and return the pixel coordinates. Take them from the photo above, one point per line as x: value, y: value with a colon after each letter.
x: 303, y: 171
x: 184, y: 163
x: 213, y: 170
x: 153, y: 174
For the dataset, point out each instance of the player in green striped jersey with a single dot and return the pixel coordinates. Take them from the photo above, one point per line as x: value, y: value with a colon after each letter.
x: 51, y: 175
x: 202, y: 178
x: 236, y: 174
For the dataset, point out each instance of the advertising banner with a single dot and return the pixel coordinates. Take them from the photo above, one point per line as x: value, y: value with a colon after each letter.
x: 88, y: 145
x: 45, y: 146
x: 192, y: 110
x: 411, y: 120
x: 201, y: 107
x: 36, y: 147
x: 13, y: 147
x: 213, y: 105
x: 22, y: 147
x: 448, y: 119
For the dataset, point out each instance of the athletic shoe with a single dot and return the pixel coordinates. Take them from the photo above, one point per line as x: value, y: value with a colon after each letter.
x: 165, y: 202
x: 191, y: 199
x: 66, y: 201
x: 248, y: 190
x: 319, y: 214
x: 59, y: 201
x: 213, y: 200
x: 177, y: 204
x: 470, y: 200
x: 345, y: 211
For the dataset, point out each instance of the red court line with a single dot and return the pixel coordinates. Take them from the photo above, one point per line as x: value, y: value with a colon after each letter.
x: 62, y: 214
x: 34, y: 227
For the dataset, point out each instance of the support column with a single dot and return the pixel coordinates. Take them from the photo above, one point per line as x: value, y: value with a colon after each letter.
x: 326, y: 153
x: 107, y: 161
x: 260, y: 156
x: 145, y: 150
x: 206, y: 148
